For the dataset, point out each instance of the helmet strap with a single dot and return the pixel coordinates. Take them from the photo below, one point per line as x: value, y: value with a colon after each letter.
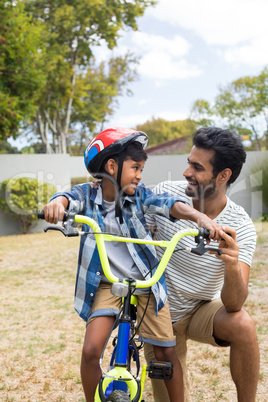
x: 118, y: 210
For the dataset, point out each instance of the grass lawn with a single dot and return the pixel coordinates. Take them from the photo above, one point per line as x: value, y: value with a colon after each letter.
x: 41, y: 336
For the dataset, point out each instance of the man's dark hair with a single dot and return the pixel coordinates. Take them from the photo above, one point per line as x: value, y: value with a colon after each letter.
x: 229, y: 150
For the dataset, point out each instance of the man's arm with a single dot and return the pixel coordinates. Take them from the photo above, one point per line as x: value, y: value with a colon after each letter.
x: 236, y: 273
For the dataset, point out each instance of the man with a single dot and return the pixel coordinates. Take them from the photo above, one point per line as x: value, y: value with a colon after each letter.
x: 206, y: 293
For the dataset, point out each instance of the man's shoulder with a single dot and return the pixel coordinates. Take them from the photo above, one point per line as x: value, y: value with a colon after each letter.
x: 237, y: 215
x: 175, y: 188
x: 236, y: 210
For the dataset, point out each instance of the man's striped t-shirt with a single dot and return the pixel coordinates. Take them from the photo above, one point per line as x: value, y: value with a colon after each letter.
x: 192, y: 278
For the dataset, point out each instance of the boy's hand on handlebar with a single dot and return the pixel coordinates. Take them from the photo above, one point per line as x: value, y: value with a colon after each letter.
x: 212, y: 226
x: 54, y: 211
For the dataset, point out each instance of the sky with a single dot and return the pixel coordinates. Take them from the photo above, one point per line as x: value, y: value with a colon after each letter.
x: 187, y: 50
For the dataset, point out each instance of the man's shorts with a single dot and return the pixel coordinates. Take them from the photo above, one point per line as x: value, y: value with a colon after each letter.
x: 154, y: 330
x: 198, y: 324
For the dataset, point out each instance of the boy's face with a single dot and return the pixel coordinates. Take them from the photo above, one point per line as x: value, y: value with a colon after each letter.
x: 131, y: 175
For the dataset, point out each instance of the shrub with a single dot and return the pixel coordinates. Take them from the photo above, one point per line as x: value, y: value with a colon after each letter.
x: 22, y: 197
x: 79, y: 180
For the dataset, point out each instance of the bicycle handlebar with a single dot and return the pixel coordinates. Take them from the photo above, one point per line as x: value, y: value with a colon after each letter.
x: 200, y: 234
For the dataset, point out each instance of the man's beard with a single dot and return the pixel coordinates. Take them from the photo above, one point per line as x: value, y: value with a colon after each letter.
x: 202, y: 192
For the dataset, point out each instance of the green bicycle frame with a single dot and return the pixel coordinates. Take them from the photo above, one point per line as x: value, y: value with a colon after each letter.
x: 101, y: 238
x: 121, y: 373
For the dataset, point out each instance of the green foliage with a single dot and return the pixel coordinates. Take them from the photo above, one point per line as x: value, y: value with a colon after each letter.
x: 21, y: 67
x: 160, y: 130
x: 202, y: 113
x: 242, y: 106
x: 243, y: 103
x: 22, y: 197
x: 72, y: 30
x: 6, y: 148
x: 264, y: 217
x: 79, y: 180
x: 94, y: 97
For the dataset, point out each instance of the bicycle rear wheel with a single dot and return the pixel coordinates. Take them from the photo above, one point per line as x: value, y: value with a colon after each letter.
x: 118, y: 396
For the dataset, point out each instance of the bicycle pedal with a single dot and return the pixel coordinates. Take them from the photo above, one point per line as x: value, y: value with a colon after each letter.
x: 160, y: 370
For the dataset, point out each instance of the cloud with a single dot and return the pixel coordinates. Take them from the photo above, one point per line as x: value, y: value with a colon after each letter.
x: 218, y: 22
x: 176, y: 47
x: 234, y: 30
x: 143, y: 102
x: 129, y: 120
x: 132, y: 120
x: 254, y: 53
x: 163, y: 58
x: 159, y: 65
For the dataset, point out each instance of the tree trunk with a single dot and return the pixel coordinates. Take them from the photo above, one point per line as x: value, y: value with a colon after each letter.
x: 43, y: 131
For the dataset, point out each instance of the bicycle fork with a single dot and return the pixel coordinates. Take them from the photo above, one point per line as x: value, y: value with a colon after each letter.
x: 122, y: 378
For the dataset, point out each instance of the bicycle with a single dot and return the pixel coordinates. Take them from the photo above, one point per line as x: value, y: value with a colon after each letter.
x: 119, y: 384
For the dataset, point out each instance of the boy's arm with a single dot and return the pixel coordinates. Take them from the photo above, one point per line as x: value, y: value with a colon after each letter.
x: 55, y: 209
x: 180, y: 210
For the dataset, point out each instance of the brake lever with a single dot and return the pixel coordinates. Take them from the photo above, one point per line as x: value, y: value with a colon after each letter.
x: 68, y: 229
x: 66, y: 232
x: 201, y: 249
x: 200, y: 239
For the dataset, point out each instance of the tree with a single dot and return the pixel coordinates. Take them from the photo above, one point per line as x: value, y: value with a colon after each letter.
x: 242, y: 106
x: 7, y: 148
x: 95, y: 97
x: 73, y: 28
x: 160, y: 130
x: 22, y: 197
x: 21, y: 67
x: 202, y: 113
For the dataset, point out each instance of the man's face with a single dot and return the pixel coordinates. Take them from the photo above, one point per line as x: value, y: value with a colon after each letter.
x: 199, y: 174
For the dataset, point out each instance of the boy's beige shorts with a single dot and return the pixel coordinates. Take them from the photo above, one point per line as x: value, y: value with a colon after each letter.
x: 155, y: 330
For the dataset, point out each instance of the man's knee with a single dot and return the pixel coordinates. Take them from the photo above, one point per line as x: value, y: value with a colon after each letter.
x: 244, y: 327
x: 238, y: 326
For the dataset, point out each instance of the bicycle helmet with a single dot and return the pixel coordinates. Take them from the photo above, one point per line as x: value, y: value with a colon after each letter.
x: 111, y: 141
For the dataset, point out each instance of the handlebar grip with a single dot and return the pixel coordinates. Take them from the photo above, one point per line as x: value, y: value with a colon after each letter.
x: 206, y: 233
x: 41, y: 215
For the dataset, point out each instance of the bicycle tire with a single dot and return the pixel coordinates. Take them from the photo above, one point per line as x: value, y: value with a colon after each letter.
x: 118, y: 396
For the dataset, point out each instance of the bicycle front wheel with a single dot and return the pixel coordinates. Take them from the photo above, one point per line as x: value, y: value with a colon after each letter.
x: 118, y: 396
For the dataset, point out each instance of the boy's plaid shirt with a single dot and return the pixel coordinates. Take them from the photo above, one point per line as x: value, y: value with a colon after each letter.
x: 85, y: 200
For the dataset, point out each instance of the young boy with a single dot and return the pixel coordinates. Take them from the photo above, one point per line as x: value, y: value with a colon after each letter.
x: 118, y: 156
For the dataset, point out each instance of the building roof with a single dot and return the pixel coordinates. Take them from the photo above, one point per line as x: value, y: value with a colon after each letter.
x: 177, y: 145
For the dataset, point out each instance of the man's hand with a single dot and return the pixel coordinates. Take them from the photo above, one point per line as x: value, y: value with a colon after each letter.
x: 228, y: 247
x: 235, y: 287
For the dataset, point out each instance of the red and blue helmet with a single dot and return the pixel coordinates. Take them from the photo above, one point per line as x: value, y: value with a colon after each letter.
x: 111, y: 141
